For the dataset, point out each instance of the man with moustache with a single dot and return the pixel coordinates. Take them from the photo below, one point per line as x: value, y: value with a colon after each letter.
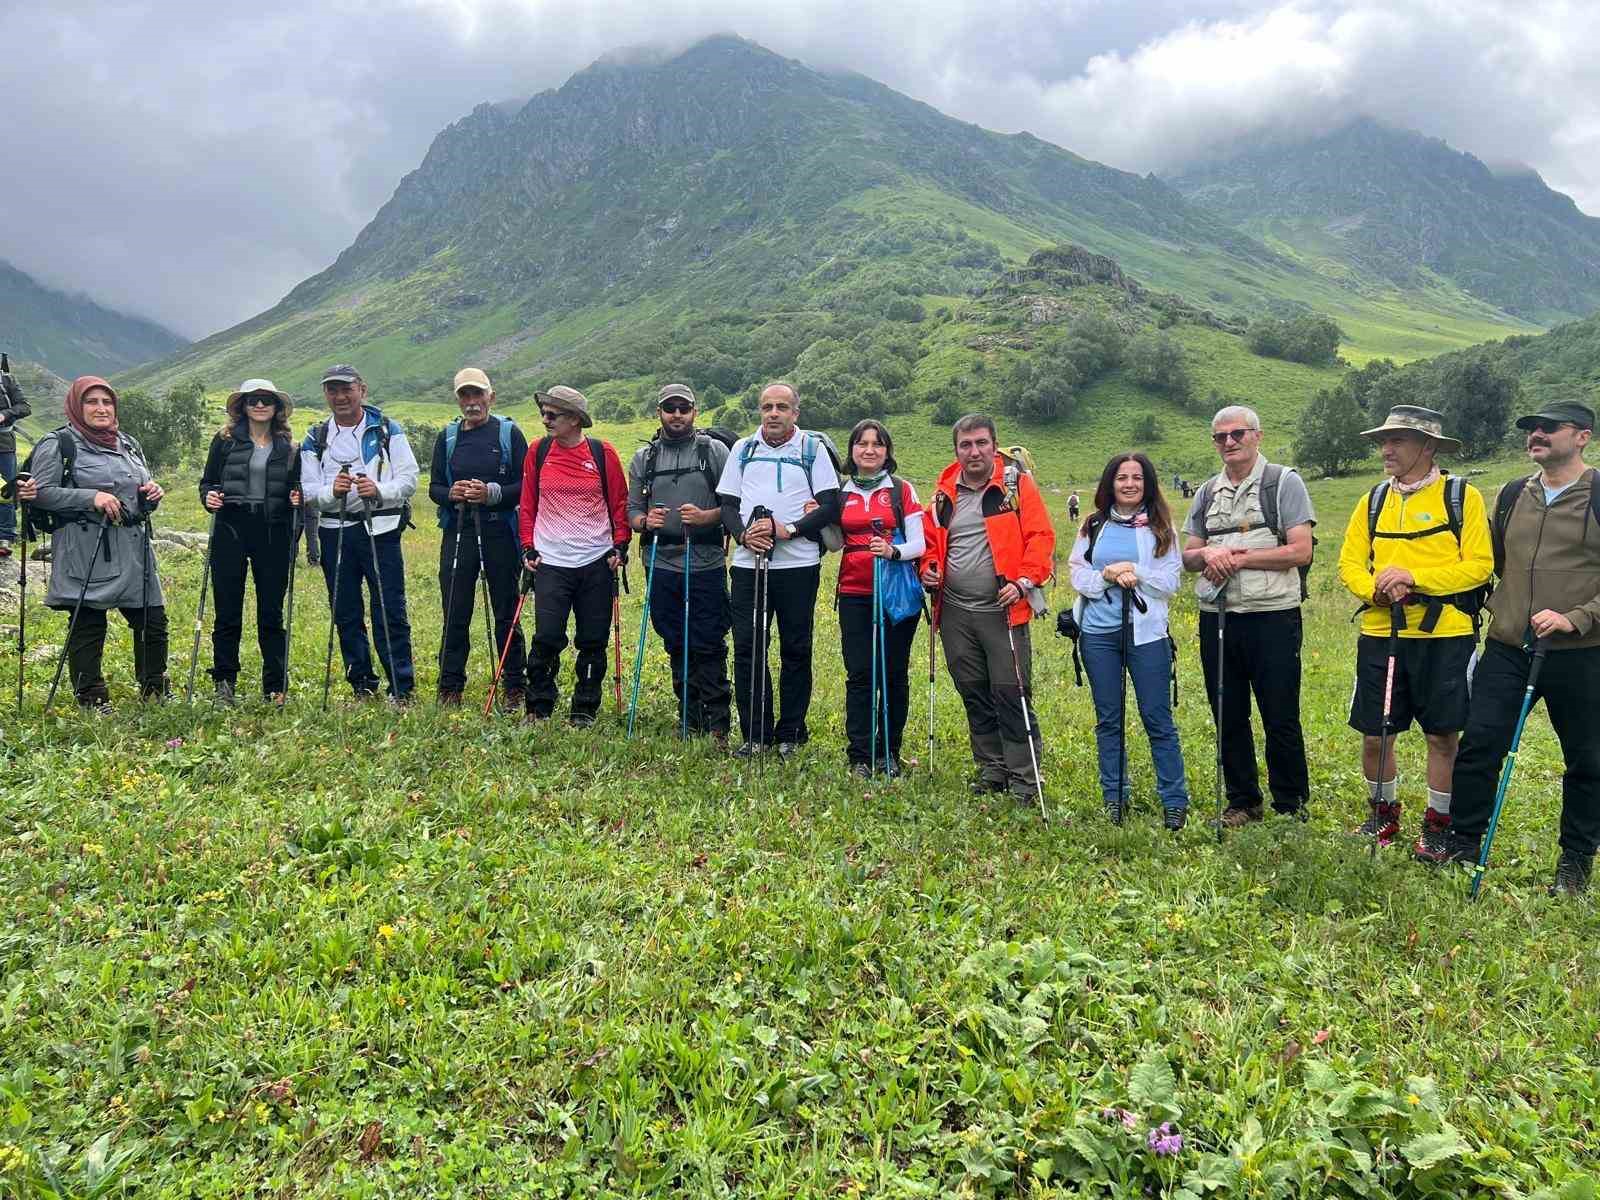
x: 476, y: 480
x: 1547, y: 556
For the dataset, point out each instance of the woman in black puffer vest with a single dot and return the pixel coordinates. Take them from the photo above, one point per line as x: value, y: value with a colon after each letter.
x: 252, y: 482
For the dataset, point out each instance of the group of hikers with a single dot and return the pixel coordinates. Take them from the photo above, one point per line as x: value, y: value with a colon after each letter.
x: 1422, y: 554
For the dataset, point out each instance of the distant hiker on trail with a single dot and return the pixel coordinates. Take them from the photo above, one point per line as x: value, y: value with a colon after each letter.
x: 476, y: 480
x: 1073, y: 507
x: 1248, y: 535
x: 13, y: 407
x: 359, y: 472
x: 990, y: 545
x: 672, y: 502
x: 1547, y: 550
x: 1126, y: 567
x: 93, y: 483
x: 1418, y: 540
x: 573, y: 523
x: 769, y: 477
x: 251, y: 481
x: 882, y: 530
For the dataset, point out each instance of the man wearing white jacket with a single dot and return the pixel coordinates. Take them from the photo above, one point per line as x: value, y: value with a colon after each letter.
x: 1126, y: 565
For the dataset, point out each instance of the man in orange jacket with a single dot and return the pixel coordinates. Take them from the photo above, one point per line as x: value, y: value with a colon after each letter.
x: 990, y: 546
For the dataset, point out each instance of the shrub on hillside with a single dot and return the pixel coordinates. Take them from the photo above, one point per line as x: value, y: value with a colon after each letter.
x: 1329, y: 437
x: 167, y: 429
x: 1308, y: 339
x: 1477, y: 398
x: 1156, y: 363
x: 1145, y: 430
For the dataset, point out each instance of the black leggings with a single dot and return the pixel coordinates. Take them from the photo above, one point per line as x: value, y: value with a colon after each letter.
x: 246, y: 543
x: 855, y: 638
x: 86, y: 649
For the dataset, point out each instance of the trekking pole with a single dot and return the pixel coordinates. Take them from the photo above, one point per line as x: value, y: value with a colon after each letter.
x: 333, y: 604
x: 146, y: 570
x: 22, y: 585
x: 525, y: 585
x: 1397, y: 622
x: 644, y: 624
x: 295, y: 529
x: 200, y: 612
x: 764, y: 578
x: 872, y: 695
x: 72, y: 623
x: 1540, y: 646
x: 450, y: 584
x: 688, y: 578
x: 483, y: 579
x: 1027, y: 718
x: 1130, y: 600
x: 1222, y: 659
x: 933, y: 650
x: 883, y: 678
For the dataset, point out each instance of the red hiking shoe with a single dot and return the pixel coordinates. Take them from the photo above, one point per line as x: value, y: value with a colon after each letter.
x: 1383, y: 824
x: 1433, y: 846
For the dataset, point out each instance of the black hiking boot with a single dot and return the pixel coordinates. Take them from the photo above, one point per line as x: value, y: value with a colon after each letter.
x: 449, y: 697
x: 225, y: 695
x: 1572, y: 874
x: 1116, y: 809
x: 979, y: 786
x: 750, y: 750
x: 1383, y: 823
x: 1175, y: 818
x: 1461, y: 848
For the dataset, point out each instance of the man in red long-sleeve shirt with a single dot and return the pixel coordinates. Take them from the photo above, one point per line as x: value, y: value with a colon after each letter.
x: 573, y: 525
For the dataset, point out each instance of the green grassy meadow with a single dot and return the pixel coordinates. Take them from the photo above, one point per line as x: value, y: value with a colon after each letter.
x: 371, y: 953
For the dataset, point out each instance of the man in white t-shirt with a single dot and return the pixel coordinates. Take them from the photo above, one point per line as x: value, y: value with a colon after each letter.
x: 769, y: 478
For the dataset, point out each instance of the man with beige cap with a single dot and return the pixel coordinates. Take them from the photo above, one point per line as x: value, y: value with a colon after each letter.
x: 573, y: 525
x: 476, y: 481
x: 1417, y: 554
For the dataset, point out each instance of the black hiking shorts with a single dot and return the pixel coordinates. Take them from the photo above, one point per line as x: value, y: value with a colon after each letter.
x: 1431, y: 684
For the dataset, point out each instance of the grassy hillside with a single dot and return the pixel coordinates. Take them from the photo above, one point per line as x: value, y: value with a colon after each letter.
x: 72, y: 335
x: 369, y: 953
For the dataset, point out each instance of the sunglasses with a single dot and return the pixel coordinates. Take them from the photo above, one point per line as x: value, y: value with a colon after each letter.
x: 261, y: 401
x: 1230, y: 435
x: 677, y: 406
x: 1548, y: 427
x: 550, y: 414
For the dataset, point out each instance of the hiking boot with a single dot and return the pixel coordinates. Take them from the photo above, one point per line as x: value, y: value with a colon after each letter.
x: 1431, y: 846
x: 581, y: 720
x: 979, y: 786
x: 1572, y: 874
x: 277, y: 699
x: 1237, y: 817
x: 1460, y: 848
x: 225, y: 695
x: 787, y: 750
x: 750, y: 750
x: 1175, y: 818
x: 719, y: 739
x: 449, y: 697
x: 1116, y: 810
x: 515, y: 698
x: 401, y: 702
x: 1383, y: 823
x: 861, y: 770
x: 5, y: 549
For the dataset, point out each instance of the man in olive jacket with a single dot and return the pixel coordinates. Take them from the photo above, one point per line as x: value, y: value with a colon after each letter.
x: 1547, y: 553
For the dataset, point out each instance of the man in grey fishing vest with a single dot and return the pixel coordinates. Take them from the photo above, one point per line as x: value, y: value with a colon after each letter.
x: 672, y: 502
x: 1249, y: 536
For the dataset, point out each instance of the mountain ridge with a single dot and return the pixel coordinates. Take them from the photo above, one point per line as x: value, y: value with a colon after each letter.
x: 70, y: 333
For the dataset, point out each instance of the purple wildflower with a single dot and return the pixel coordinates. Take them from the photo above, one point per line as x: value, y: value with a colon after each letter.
x: 1163, y: 1140
x: 1130, y: 1121
x: 174, y: 743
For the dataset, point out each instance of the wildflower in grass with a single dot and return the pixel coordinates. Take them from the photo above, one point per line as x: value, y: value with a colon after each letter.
x: 1413, y: 1099
x: 174, y: 743
x: 1163, y: 1140
x: 386, y: 932
x: 95, y: 849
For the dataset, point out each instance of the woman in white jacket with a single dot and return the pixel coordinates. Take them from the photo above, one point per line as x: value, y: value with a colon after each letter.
x: 1126, y: 565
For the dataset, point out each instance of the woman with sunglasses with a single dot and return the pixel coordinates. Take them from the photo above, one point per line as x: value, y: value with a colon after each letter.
x: 1126, y: 567
x: 251, y: 483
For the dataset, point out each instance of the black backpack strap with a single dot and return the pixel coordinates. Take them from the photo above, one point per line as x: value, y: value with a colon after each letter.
x: 1095, y: 524
x: 1376, y: 499
x: 702, y: 448
x: 597, y: 451
x: 1455, y: 498
x: 1510, y: 493
x: 1271, y: 477
x: 897, y: 503
x: 541, y: 451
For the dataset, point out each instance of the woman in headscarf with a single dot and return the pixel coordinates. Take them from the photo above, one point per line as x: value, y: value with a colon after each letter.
x: 94, y: 482
x: 251, y: 482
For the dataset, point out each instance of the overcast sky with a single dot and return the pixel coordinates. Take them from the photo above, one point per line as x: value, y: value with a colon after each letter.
x: 192, y: 160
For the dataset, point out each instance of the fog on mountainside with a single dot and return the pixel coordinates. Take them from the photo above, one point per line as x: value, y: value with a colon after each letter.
x: 72, y: 335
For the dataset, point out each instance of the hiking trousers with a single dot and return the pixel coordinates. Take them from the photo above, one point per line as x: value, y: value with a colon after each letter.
x: 710, y: 694
x: 1263, y: 657
x: 1150, y: 672
x: 502, y: 563
x: 582, y: 594
x: 792, y: 604
x: 86, y: 652
x: 247, y: 544
x: 1569, y: 685
x: 855, y: 640
x: 977, y: 653
x: 393, y: 641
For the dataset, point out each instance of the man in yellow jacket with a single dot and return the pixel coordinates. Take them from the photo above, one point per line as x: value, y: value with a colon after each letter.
x: 1418, y: 553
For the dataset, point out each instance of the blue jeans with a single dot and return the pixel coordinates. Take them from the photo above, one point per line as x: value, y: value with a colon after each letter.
x: 394, y: 638
x: 8, y: 512
x: 1150, y: 668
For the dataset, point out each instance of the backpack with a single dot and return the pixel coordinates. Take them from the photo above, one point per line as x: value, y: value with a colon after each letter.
x: 1455, y: 489
x: 702, y: 443
x: 1271, y: 476
x: 451, y: 432
x: 386, y: 431
x: 597, y: 450
x: 1510, y: 493
x: 35, y: 519
x: 830, y: 537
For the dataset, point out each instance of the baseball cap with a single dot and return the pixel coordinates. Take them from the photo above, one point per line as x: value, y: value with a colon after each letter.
x: 1565, y: 411
x: 675, y: 391
x: 471, y: 377
x: 341, y: 373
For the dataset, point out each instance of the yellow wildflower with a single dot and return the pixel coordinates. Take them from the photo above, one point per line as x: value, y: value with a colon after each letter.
x: 386, y: 932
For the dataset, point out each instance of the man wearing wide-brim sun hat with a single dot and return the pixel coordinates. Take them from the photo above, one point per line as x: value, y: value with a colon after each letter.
x: 574, y: 533
x: 1417, y: 554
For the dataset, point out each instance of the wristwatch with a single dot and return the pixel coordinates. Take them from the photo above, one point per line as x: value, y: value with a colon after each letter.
x: 788, y: 529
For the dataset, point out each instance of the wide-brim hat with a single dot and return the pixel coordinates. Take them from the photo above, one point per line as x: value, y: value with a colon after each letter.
x: 1412, y: 418
x: 251, y: 386
x: 566, y: 399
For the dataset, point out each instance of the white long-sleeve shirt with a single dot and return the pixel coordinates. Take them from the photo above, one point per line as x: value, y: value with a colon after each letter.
x: 362, y: 446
